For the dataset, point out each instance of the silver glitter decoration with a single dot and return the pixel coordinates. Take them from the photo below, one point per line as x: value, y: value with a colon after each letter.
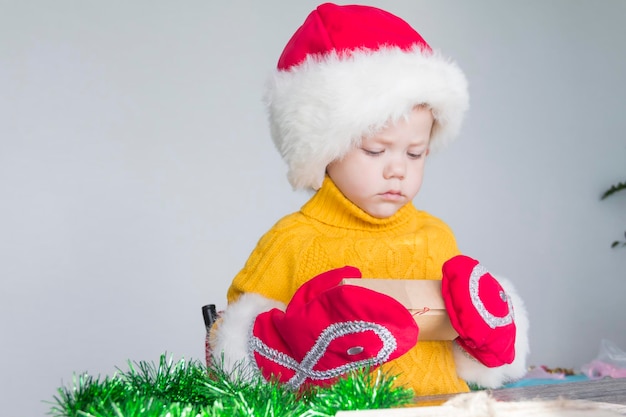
x: 304, y: 369
x: 490, y: 319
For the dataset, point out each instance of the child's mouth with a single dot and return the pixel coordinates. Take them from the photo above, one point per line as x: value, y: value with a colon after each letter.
x: 392, y: 195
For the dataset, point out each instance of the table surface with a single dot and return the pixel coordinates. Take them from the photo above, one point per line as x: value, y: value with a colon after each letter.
x: 608, y: 396
x: 606, y: 390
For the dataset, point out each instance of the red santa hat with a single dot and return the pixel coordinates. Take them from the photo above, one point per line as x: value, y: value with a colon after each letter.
x: 346, y: 72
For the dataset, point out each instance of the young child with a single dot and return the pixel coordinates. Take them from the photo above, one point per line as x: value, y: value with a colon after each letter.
x: 355, y: 105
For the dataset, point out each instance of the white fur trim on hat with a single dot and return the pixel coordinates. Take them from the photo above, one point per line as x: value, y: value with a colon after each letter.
x: 473, y: 371
x: 321, y: 108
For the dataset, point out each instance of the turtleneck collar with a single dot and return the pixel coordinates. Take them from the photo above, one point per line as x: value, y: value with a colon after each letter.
x: 331, y: 207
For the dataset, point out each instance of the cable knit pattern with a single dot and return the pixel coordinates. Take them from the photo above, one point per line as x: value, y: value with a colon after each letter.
x: 330, y: 232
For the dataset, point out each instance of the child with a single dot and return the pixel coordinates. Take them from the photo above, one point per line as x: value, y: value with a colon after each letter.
x: 357, y: 102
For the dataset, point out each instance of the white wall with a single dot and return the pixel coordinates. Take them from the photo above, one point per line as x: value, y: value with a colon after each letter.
x: 136, y: 170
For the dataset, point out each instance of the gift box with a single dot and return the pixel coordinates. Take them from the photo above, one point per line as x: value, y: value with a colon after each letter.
x: 421, y: 297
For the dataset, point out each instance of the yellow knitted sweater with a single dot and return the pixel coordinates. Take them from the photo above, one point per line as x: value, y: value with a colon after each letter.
x: 331, y: 232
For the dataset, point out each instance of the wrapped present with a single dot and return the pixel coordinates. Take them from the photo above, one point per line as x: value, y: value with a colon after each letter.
x: 421, y: 297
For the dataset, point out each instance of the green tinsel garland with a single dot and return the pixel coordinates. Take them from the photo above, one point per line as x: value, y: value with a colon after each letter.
x: 190, y: 389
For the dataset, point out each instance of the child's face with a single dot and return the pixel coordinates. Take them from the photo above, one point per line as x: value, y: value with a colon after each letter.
x: 385, y: 172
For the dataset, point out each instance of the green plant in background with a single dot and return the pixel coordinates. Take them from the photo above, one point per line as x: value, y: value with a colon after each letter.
x: 621, y: 186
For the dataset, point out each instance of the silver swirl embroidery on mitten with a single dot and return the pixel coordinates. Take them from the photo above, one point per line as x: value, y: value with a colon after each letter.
x: 304, y: 369
x: 492, y: 320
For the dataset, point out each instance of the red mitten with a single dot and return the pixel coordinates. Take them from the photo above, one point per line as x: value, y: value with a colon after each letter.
x: 480, y: 311
x: 330, y: 329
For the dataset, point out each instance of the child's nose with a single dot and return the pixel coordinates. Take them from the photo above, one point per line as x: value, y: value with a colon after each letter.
x: 395, y: 168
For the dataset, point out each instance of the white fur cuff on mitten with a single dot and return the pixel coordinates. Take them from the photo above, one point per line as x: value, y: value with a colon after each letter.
x: 231, y: 333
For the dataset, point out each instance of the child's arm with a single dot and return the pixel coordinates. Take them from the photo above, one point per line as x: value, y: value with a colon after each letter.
x: 271, y: 268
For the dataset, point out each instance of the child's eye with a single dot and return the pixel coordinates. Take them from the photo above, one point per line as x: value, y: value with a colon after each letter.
x: 415, y: 155
x: 372, y: 152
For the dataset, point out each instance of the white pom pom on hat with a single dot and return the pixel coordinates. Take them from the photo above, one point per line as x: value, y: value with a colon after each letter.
x: 346, y: 72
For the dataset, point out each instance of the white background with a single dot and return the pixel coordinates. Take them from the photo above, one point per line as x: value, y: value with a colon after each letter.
x: 137, y: 172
